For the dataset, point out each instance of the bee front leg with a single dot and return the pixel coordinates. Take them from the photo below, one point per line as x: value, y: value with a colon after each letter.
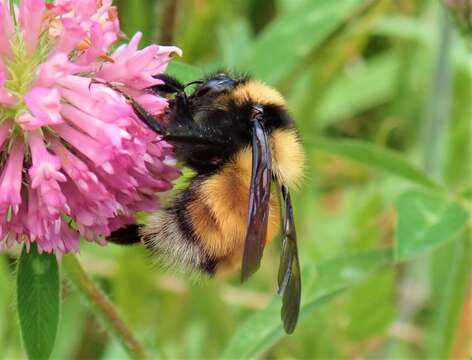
x: 181, y: 116
x: 140, y: 112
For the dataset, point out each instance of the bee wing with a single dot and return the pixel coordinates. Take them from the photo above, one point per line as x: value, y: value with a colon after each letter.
x: 289, y: 270
x: 259, y: 194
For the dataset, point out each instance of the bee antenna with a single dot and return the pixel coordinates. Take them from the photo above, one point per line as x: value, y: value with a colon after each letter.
x: 193, y: 83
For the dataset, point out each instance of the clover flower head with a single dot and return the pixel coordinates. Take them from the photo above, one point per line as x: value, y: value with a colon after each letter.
x: 74, y: 159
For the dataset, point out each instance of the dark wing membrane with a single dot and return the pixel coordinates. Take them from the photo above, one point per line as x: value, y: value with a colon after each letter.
x: 289, y: 270
x: 259, y: 194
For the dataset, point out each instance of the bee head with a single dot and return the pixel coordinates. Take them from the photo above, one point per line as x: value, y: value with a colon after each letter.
x: 214, y: 86
x: 240, y: 98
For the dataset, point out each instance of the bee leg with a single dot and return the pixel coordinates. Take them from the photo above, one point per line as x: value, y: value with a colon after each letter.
x: 147, y: 118
x: 127, y: 235
x: 140, y: 112
x: 182, y: 116
x: 183, y: 130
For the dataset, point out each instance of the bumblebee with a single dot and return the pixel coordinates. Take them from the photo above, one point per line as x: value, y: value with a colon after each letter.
x: 238, y: 137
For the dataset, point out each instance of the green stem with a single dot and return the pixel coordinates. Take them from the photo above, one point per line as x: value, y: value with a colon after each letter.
x: 102, y: 306
x: 452, y: 288
x: 438, y: 106
x: 450, y: 265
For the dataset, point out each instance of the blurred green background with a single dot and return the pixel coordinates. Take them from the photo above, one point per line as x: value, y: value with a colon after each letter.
x: 381, y: 92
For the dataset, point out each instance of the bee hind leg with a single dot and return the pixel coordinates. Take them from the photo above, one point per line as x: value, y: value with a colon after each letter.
x: 127, y: 235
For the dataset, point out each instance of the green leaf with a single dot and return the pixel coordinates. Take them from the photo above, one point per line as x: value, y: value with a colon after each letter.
x: 361, y: 89
x: 425, y: 221
x: 423, y: 32
x: 38, y: 301
x: 286, y: 6
x: 184, y: 72
x: 286, y: 42
x: 234, y: 40
x: 376, y: 157
x: 262, y: 330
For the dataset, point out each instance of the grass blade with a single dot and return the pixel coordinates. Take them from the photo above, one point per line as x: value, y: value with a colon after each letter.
x: 264, y: 329
x: 292, y: 41
x: 375, y: 157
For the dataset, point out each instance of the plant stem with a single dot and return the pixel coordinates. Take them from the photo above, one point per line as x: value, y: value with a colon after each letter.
x: 102, y: 306
x: 168, y: 21
x: 139, y: 17
x: 449, y: 283
x: 438, y: 105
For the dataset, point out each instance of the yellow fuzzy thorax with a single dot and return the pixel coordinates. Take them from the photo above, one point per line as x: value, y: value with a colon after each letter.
x: 259, y: 93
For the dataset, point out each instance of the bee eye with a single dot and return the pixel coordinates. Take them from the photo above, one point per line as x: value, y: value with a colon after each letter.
x: 214, y: 86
